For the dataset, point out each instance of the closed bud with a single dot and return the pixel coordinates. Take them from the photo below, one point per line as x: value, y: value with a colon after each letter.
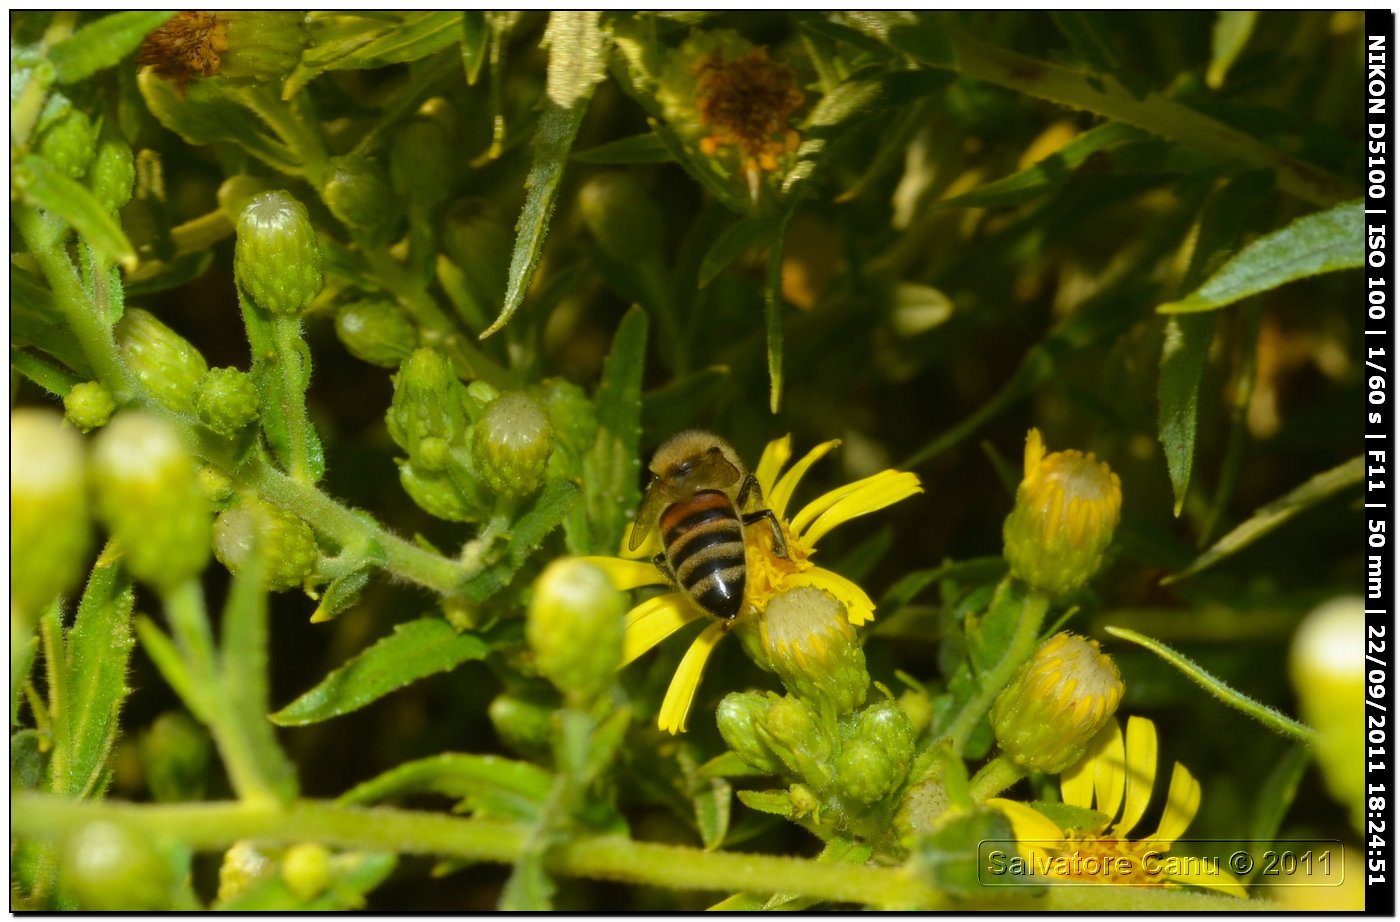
x: 437, y: 493
x: 226, y: 400
x: 67, y: 141
x: 522, y: 724
x: 420, y: 162
x: 885, y: 725
x: 149, y: 497
x: 623, y: 217
x: 262, y: 45
x: 811, y: 645
x: 88, y: 406
x: 112, y: 173
x: 865, y: 772
x: 1046, y: 717
x: 217, y: 486
x: 306, y: 870
x: 243, y: 866
x: 165, y: 363
x: 277, y: 259
x: 288, y: 544
x: 237, y: 191
x: 357, y: 191
x: 378, y: 332
x: 574, y: 627
x: 793, y: 731
x: 739, y: 717
x: 175, y: 752
x: 110, y: 867
x: 574, y: 416
x: 49, y: 525
x: 1067, y: 508
x: 1327, y: 664
x: 429, y: 402
x: 511, y: 444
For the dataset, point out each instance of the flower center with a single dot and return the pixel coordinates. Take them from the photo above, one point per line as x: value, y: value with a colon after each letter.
x: 1108, y: 860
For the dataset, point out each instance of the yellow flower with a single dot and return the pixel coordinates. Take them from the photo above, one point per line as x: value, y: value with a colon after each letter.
x: 1117, y: 779
x: 657, y: 618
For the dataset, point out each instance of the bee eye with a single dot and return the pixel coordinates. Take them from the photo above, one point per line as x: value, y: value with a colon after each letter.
x: 685, y: 467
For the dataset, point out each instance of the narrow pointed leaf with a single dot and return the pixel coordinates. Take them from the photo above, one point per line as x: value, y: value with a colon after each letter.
x: 171, y: 665
x: 1231, y: 33
x: 1053, y: 171
x: 43, y: 186
x: 103, y: 43
x: 612, y: 470
x: 737, y: 237
x: 491, y: 785
x: 526, y: 534
x: 639, y: 148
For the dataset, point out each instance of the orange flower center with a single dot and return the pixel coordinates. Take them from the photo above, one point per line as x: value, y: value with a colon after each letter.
x: 746, y: 102
x: 187, y: 46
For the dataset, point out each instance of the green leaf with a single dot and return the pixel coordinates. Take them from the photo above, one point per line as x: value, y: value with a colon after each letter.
x: 736, y: 238
x: 419, y: 35
x: 712, y: 803
x: 1325, y: 241
x: 360, y: 41
x: 243, y: 673
x: 917, y: 34
x: 777, y: 803
x: 171, y: 665
x: 577, y: 61
x: 1185, y: 342
x: 639, y: 148
x: 43, y: 186
x: 526, y: 534
x: 613, y: 468
x: 1051, y: 172
x: 773, y: 313
x: 490, y: 785
x: 1231, y: 33
x: 1277, y: 794
x: 103, y: 43
x: 206, y: 113
x: 1218, y: 689
x: 97, y: 652
x: 342, y: 593
x: 1090, y: 39
x: 1269, y: 517
x: 57, y: 381
x: 414, y: 650
x: 475, y: 44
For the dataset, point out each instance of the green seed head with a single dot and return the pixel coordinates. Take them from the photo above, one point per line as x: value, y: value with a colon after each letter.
x: 49, y: 525
x: 277, y: 259
x: 165, y: 363
x: 378, y: 332
x: 149, y: 497
x: 107, y: 866
x: 511, y: 444
x: 357, y: 191
x: 574, y: 627
x: 88, y: 406
x: 288, y: 544
x: 226, y: 400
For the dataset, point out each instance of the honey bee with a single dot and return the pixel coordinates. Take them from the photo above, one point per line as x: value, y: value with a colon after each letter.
x: 697, y: 500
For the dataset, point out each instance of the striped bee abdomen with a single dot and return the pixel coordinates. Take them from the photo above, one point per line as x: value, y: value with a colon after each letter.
x: 704, y: 543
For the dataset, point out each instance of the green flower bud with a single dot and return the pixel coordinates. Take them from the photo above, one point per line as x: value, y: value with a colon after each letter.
x: 163, y: 361
x: 243, y: 866
x: 623, y: 217
x: 215, y: 484
x: 175, y: 752
x: 523, y: 725
x: 277, y: 259
x: 574, y: 417
x: 263, y: 45
x: 1067, y: 507
x: 437, y: 494
x: 574, y: 627
x: 739, y: 716
x: 49, y: 525
x: 237, y: 191
x: 357, y: 191
x: 306, y: 870
x: 420, y: 162
x: 511, y: 444
x: 812, y: 646
x: 112, y: 173
x: 148, y: 496
x: 480, y: 395
x: 288, y: 544
x: 1328, y: 670
x: 885, y: 725
x: 378, y: 332
x: 865, y: 773
x: 109, y: 867
x: 88, y: 406
x: 67, y: 142
x: 793, y: 731
x: 429, y: 402
x: 1060, y: 698
x: 226, y: 400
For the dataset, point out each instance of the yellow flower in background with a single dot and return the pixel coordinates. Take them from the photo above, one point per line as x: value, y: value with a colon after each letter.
x: 1116, y: 778
x: 768, y: 574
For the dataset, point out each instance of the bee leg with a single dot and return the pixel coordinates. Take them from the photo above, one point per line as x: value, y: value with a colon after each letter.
x: 779, y: 543
x: 664, y: 566
x: 750, y: 485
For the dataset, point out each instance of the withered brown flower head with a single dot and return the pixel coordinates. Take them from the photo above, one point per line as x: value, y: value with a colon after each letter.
x: 746, y: 102
x: 187, y: 46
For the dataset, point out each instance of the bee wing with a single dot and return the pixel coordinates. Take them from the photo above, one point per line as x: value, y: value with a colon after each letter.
x: 721, y: 473
x: 647, y: 515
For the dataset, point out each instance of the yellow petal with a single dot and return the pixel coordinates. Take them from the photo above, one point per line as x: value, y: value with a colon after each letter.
x: 874, y: 492
x: 628, y: 574
x: 1035, y: 452
x: 775, y: 455
x: 1108, y: 772
x: 681, y: 691
x: 1077, y: 783
x: 1036, y: 835
x: 859, y: 607
x: 1141, y: 771
x: 1183, y: 799
x: 653, y: 621
x: 1221, y: 880
x: 782, y: 492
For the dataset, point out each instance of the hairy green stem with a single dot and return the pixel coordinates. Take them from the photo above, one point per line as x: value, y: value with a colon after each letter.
x: 287, y: 331
x: 995, y: 777
x: 995, y: 679
x: 1103, y: 95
